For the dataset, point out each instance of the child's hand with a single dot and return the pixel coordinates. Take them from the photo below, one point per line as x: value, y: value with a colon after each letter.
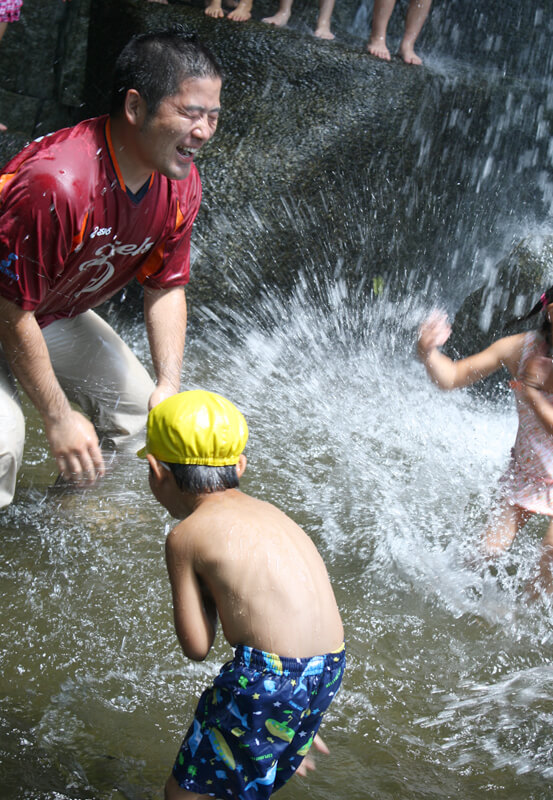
x: 433, y: 332
x: 308, y: 762
x: 538, y: 373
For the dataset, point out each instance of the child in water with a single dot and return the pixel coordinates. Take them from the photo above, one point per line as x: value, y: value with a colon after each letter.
x: 526, y: 488
x: 245, y: 562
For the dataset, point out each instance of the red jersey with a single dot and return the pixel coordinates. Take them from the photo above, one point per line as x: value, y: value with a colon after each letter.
x: 71, y: 235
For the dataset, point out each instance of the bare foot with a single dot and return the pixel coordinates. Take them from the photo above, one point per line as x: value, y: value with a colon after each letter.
x: 280, y: 19
x: 2, y: 128
x: 214, y: 9
x: 408, y: 54
x: 377, y: 47
x: 242, y: 12
x: 324, y: 32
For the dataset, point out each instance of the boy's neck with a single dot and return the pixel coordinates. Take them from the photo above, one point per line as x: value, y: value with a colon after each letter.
x: 192, y: 502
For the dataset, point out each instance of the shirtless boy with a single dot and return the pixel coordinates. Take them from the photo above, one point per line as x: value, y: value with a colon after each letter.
x: 245, y: 562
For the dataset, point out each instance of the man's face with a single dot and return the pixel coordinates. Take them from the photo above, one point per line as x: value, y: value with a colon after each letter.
x: 183, y: 122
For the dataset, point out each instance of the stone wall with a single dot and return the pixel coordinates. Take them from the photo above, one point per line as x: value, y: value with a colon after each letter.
x: 325, y: 158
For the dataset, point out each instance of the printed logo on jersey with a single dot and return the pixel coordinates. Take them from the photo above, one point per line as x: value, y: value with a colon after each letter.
x: 104, y: 254
x: 5, y: 265
x: 100, y: 231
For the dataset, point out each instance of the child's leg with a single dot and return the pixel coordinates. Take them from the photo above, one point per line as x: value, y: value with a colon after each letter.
x: 416, y: 17
x: 322, y: 30
x: 242, y: 12
x: 544, y: 579
x: 381, y: 16
x: 503, y: 528
x: 214, y: 9
x: 174, y: 792
x: 283, y: 14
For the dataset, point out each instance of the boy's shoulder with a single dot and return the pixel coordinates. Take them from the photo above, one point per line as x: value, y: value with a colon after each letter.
x: 218, y: 514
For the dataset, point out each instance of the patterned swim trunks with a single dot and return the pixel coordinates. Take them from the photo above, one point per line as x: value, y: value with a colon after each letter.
x: 255, y: 725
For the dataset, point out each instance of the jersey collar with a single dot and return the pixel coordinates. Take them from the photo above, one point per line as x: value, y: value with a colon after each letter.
x: 117, y: 169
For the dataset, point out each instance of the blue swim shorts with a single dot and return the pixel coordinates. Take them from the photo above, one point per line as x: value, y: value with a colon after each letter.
x: 255, y: 725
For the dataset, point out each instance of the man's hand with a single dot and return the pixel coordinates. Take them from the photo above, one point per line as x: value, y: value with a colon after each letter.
x: 433, y: 332
x: 161, y: 392
x: 75, y: 447
x: 308, y: 763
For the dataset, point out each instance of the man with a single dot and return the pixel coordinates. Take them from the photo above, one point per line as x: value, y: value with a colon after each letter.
x: 82, y: 212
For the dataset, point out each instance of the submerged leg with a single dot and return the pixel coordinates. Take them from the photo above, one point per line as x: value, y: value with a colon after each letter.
x: 174, y: 792
x: 503, y: 527
x: 544, y: 579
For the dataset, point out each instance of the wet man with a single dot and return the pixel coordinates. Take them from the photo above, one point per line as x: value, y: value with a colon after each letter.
x: 82, y: 212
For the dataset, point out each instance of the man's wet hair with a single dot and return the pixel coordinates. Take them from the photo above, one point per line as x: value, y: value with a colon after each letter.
x: 156, y: 64
x: 201, y: 479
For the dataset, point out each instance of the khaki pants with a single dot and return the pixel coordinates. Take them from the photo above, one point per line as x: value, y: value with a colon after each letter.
x: 96, y: 370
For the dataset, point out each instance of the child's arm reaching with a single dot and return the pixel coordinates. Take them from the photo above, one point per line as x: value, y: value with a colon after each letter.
x: 449, y: 374
x: 194, y: 610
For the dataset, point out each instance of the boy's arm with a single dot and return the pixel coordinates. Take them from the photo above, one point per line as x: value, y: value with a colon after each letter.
x: 194, y: 610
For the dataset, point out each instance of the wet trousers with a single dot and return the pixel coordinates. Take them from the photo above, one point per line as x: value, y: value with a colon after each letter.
x: 96, y: 370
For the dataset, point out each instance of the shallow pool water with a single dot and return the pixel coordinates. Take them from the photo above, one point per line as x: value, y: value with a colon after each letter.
x: 448, y: 690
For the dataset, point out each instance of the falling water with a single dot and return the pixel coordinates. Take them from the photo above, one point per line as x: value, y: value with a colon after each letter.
x: 448, y: 687
x: 448, y: 690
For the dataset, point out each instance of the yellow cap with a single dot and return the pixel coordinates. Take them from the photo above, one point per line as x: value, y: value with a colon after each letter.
x: 195, y: 427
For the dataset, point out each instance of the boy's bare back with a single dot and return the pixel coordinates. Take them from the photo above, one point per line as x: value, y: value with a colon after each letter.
x: 264, y: 574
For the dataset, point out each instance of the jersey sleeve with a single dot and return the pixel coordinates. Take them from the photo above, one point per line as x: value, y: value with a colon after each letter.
x: 169, y: 264
x: 38, y: 228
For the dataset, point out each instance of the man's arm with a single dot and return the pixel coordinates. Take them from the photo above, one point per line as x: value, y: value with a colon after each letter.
x: 73, y: 440
x: 194, y: 610
x: 165, y: 315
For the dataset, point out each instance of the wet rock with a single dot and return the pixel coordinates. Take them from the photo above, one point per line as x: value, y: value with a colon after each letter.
x: 42, y: 63
x: 20, y: 113
x: 324, y: 157
x: 326, y: 160
x: 513, y: 287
